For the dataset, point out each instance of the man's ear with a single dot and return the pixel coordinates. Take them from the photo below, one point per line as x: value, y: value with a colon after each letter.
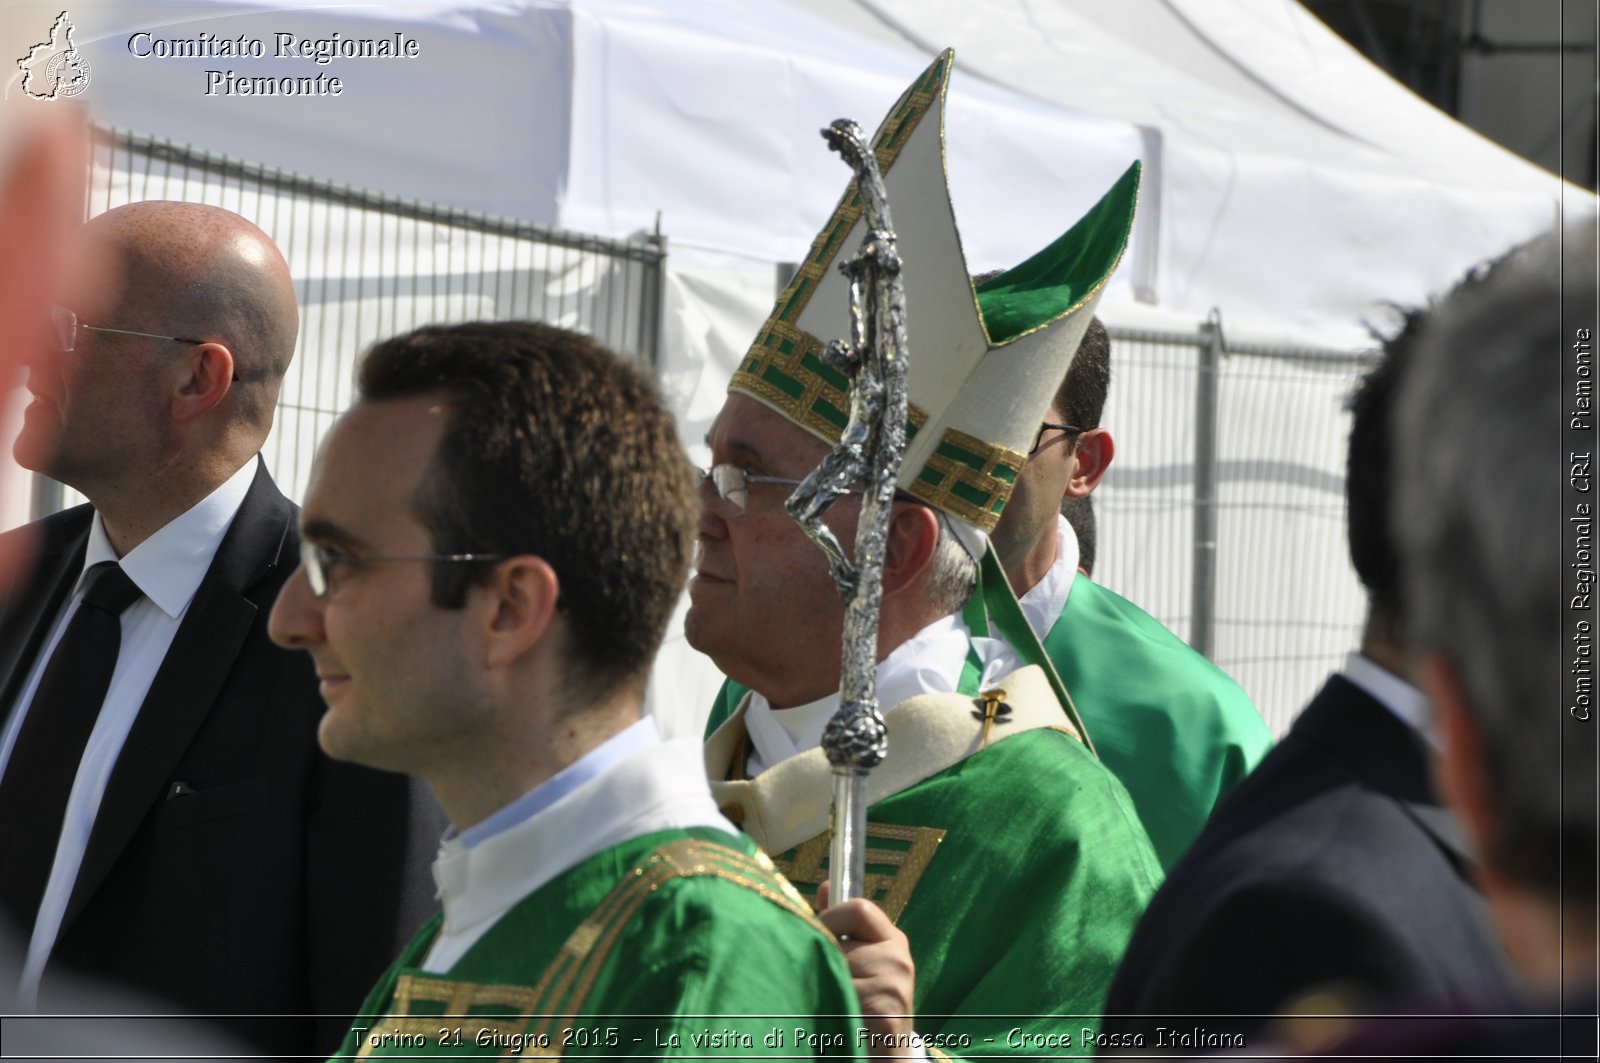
x: 913, y: 537
x: 208, y: 374
x: 1093, y: 456
x: 522, y: 603
x: 1459, y: 765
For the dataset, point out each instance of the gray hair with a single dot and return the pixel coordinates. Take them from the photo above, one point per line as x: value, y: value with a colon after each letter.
x: 1479, y: 521
x: 954, y: 572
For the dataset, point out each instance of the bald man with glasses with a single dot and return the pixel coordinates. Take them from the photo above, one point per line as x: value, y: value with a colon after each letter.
x: 166, y: 819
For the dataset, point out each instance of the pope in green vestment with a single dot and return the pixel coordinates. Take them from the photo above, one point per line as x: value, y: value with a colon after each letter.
x: 1011, y: 859
x: 1008, y: 855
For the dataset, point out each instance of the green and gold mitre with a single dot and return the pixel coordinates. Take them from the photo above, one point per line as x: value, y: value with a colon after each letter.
x: 985, y: 361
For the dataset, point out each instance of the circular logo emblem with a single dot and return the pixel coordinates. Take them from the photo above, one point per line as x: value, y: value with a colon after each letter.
x: 69, y: 72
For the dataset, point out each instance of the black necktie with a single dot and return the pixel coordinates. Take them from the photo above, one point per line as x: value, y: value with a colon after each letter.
x: 44, y: 761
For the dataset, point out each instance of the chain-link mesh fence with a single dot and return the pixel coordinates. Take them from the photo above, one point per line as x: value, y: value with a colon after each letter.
x: 1248, y: 484
x: 1222, y: 515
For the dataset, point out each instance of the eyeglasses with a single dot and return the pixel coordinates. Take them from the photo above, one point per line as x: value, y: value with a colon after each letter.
x: 319, y: 561
x: 732, y: 483
x: 1038, y: 440
x: 67, y: 325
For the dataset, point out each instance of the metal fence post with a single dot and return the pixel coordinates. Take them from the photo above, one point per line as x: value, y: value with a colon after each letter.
x: 654, y: 308
x: 1203, y: 594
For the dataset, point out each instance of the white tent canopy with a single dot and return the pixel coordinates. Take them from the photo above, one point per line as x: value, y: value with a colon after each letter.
x: 1297, y: 186
x: 1287, y: 181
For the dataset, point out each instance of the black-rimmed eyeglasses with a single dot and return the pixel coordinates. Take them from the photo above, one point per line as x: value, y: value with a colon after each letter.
x: 319, y: 561
x: 67, y: 325
x: 1038, y: 440
x: 732, y: 483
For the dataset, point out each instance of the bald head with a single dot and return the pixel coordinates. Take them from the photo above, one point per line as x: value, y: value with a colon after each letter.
x: 200, y: 271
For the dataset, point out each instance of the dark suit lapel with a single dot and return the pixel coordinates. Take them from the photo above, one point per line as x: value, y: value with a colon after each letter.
x: 36, y: 597
x: 189, y: 680
x: 1389, y: 755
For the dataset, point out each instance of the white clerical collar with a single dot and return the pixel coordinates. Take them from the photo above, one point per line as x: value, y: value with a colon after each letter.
x: 635, y: 737
x: 1043, y: 603
x: 1408, y: 704
x: 653, y: 785
x: 169, y: 565
x: 929, y: 662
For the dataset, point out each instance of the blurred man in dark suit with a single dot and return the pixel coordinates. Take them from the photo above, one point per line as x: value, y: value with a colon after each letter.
x: 1334, y: 867
x: 1495, y: 518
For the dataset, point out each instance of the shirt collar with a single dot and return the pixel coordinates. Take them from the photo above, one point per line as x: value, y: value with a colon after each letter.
x: 601, y: 758
x: 169, y: 565
x: 1408, y: 704
x: 1042, y: 604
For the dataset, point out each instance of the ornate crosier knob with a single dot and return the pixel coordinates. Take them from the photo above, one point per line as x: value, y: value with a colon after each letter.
x: 856, y: 737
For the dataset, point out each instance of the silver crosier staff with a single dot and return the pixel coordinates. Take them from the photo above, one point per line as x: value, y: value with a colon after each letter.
x: 867, y: 458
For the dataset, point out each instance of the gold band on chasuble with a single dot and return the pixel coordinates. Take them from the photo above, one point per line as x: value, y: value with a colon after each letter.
x: 532, y: 1022
x: 896, y: 858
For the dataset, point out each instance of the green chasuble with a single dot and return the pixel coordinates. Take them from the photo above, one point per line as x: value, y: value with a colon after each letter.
x: 1172, y: 726
x: 1016, y: 868
x: 676, y: 943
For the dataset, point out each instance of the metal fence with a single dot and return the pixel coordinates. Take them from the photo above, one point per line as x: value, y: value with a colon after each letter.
x: 367, y: 266
x: 1222, y: 515
x: 1223, y: 511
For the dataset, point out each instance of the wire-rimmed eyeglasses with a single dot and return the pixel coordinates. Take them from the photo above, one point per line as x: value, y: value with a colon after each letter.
x: 67, y: 325
x: 732, y: 483
x: 319, y: 561
x: 1038, y: 440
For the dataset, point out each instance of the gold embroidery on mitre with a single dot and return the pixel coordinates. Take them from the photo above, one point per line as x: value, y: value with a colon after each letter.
x: 969, y: 478
x: 785, y: 370
x: 783, y: 366
x: 891, y: 137
x: 894, y: 867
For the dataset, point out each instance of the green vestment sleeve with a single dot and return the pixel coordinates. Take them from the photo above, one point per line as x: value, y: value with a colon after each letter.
x: 1170, y: 724
x: 1022, y: 915
x: 680, y: 943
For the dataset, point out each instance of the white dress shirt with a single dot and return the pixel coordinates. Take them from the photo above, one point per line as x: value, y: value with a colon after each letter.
x: 167, y: 567
x: 1408, y: 704
x: 634, y: 783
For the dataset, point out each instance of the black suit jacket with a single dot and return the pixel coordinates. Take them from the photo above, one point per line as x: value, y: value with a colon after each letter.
x: 232, y: 868
x: 1332, y: 862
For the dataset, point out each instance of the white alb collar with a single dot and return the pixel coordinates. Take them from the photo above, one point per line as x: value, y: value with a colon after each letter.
x: 660, y: 786
x: 929, y: 662
x: 1043, y: 603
